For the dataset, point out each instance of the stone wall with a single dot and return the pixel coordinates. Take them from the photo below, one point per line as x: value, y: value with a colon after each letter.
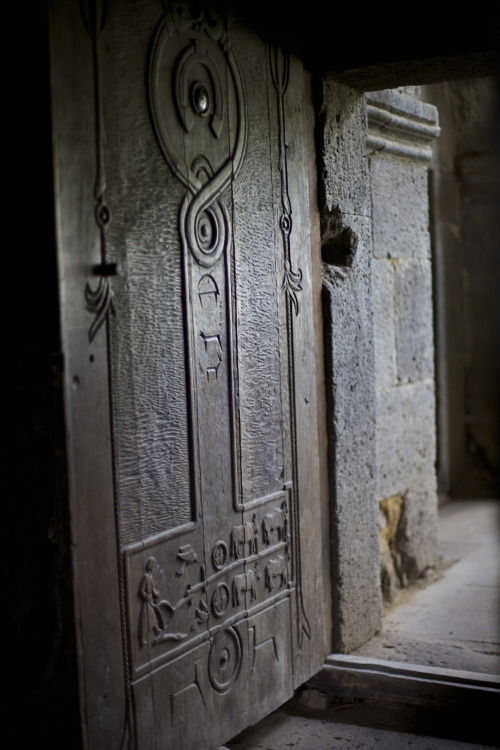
x: 400, y: 132
x: 466, y: 237
x: 346, y: 246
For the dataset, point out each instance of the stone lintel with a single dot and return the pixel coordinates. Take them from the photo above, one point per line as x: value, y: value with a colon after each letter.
x: 401, y: 126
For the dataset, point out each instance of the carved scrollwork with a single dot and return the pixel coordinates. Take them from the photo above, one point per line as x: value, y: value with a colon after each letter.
x: 291, y: 285
x: 98, y: 301
x: 280, y: 71
x: 197, y: 64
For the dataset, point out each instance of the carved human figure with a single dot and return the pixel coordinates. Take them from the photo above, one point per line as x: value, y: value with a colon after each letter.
x: 150, y: 616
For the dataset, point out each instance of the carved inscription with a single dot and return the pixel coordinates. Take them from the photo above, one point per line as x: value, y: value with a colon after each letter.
x: 208, y: 290
x: 213, y: 349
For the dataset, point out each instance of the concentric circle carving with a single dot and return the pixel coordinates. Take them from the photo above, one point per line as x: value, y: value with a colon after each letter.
x: 225, y: 659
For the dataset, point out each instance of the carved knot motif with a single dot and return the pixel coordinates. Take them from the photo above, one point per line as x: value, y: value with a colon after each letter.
x: 199, y: 116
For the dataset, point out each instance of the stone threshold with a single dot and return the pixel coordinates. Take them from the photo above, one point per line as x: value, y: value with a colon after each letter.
x: 452, y: 702
x: 358, y: 676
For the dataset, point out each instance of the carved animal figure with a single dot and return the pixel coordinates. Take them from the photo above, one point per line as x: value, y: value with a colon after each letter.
x: 275, y: 524
x: 242, y: 535
x: 246, y: 582
x: 275, y: 569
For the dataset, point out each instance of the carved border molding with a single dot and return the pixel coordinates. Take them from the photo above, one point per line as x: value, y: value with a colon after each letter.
x: 99, y: 301
x: 279, y: 65
x: 401, y: 126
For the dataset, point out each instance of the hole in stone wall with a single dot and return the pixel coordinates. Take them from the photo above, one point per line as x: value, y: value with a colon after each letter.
x: 338, y: 241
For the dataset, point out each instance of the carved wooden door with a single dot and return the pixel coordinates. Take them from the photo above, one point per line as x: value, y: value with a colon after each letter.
x: 182, y: 160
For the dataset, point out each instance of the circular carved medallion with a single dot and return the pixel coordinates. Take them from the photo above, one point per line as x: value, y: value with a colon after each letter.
x: 219, y: 555
x: 220, y: 599
x: 224, y: 661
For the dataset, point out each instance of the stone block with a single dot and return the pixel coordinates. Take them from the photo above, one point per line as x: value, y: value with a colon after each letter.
x: 343, y: 160
x: 400, y: 208
x: 406, y: 439
x: 390, y: 511
x: 405, y: 103
x: 408, y: 537
x: 384, y: 323
x: 413, y: 313
x: 417, y: 532
x: 349, y: 352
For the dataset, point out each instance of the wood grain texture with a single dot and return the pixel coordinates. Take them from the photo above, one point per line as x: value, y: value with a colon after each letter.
x: 207, y: 434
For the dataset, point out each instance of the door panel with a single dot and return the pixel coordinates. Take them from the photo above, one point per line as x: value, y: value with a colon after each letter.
x: 186, y: 277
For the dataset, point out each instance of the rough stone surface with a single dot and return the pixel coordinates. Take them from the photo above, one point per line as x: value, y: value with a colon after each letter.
x: 466, y: 236
x: 390, y: 563
x: 406, y: 444
x: 405, y: 101
x: 384, y: 323
x: 436, y: 622
x: 416, y: 540
x: 413, y: 313
x: 404, y: 346
x: 344, y: 183
x: 400, y: 209
x: 350, y: 385
x: 351, y: 727
x: 349, y: 350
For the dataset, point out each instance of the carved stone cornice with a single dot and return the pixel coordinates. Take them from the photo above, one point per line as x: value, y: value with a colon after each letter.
x: 401, y: 126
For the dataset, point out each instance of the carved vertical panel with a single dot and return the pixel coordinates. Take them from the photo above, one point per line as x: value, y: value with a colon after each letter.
x: 203, y: 356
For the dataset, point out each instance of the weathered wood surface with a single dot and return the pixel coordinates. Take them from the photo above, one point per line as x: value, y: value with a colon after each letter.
x: 182, y: 158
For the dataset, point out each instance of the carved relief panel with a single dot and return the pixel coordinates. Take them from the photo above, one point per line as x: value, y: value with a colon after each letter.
x: 201, y: 224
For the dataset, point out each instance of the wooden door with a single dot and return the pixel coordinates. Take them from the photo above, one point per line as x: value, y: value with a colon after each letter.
x: 183, y: 146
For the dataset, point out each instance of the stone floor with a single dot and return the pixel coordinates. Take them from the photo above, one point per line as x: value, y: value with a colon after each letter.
x: 283, y: 730
x: 452, y: 621
x: 448, y: 622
